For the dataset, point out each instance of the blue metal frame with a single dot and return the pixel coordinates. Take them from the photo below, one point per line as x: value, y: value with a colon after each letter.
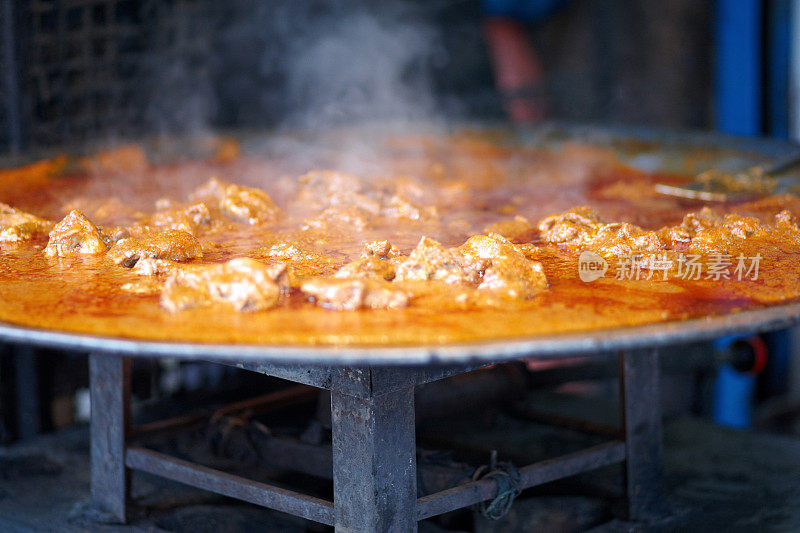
x: 752, y: 99
x: 778, y: 50
x: 738, y: 73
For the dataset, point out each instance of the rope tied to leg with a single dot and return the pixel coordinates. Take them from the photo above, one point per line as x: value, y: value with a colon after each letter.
x: 507, y: 478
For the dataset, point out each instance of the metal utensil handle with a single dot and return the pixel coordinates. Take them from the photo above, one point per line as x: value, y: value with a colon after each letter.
x: 782, y: 164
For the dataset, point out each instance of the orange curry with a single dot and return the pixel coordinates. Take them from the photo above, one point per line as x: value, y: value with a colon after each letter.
x: 443, y: 240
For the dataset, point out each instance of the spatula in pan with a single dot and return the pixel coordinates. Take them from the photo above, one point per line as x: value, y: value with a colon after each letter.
x: 716, y: 185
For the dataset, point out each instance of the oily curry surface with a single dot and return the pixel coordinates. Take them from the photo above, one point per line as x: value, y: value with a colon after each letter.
x: 436, y: 240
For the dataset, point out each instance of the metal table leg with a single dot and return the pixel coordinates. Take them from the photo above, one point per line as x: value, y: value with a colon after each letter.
x: 374, y: 461
x: 29, y: 421
x: 641, y: 422
x: 109, y: 377
x: 373, y: 450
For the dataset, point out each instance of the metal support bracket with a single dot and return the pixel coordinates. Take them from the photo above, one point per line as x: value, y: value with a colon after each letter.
x: 374, y: 462
x: 110, y: 396
x: 641, y: 425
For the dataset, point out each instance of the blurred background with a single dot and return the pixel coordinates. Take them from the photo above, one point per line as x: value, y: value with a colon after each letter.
x: 110, y: 70
x: 85, y: 70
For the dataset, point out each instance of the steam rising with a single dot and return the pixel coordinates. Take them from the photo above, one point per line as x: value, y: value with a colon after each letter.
x: 296, y: 64
x: 183, y: 101
x: 361, y: 68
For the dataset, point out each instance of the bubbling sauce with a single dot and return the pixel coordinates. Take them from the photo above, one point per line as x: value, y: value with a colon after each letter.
x: 445, y: 240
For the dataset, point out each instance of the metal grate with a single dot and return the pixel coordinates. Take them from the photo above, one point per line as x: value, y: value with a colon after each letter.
x: 89, y: 71
x: 9, y: 84
x: 79, y: 56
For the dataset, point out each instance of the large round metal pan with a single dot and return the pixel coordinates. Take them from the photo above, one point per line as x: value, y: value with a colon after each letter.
x: 654, y: 150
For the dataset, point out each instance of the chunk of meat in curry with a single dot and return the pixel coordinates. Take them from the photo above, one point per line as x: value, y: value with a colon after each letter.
x: 75, y: 234
x: 704, y: 232
x: 352, y: 294
x: 18, y: 226
x: 518, y: 229
x: 379, y: 260
x: 242, y: 204
x: 298, y: 259
x: 189, y: 219
x: 707, y: 232
x: 432, y: 261
x: 243, y: 284
x: 175, y: 245
x: 507, y: 269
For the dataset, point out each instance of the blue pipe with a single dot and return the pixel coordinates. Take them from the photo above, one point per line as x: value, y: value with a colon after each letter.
x: 779, y: 45
x: 737, y: 83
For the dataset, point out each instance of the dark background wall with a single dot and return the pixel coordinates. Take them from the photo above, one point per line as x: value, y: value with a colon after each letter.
x: 78, y: 69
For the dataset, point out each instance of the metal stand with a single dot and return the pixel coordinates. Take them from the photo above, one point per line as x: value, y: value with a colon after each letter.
x: 641, y: 424
x: 110, y: 395
x: 374, y: 461
x: 26, y: 379
x: 374, y: 467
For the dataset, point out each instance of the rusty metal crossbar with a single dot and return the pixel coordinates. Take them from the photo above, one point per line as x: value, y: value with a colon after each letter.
x: 536, y: 474
x: 257, y: 405
x: 320, y: 510
x: 199, y: 476
x: 372, y: 460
